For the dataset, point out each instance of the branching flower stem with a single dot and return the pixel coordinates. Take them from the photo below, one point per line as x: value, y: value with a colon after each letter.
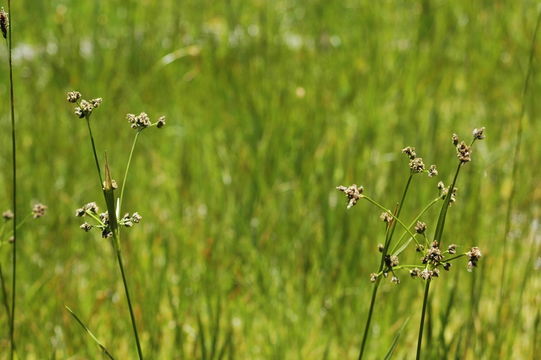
x: 108, y: 193
x: 388, y: 238
x: 437, y: 239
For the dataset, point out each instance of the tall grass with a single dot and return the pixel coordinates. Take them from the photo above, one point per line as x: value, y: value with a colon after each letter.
x: 274, y: 105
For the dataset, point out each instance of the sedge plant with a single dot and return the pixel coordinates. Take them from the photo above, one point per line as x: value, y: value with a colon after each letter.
x: 109, y: 222
x: 415, y: 233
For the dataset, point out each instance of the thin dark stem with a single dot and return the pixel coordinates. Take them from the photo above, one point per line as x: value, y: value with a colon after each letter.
x: 422, y: 324
x: 4, y: 293
x: 127, y: 169
x: 388, y: 239
x: 109, y: 200
x: 445, y: 207
x: 126, y: 290
x: 369, y: 318
x: 14, y: 186
x: 94, y: 150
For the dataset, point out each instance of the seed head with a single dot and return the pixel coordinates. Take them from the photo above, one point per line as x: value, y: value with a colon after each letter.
x: 432, y: 171
x: 80, y: 212
x: 391, y: 260
x: 73, y: 96
x: 420, y: 227
x: 353, y: 193
x: 463, y: 152
x: 441, y: 186
x: 96, y: 102
x: 479, y: 134
x: 39, y: 210
x: 4, y: 23
x: 136, y: 218
x: 417, y: 165
x: 386, y: 217
x: 474, y: 254
x: 380, y: 248
x: 86, y: 226
x: 373, y: 277
x: 395, y: 280
x: 8, y: 215
x: 139, y: 122
x: 161, y: 122
x: 414, y: 272
x: 92, y: 207
x: 433, y: 255
x: 447, y: 266
x: 410, y: 152
x: 425, y: 274
x: 455, y: 139
x: 452, y: 249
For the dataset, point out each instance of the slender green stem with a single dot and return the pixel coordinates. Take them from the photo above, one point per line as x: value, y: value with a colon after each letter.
x: 14, y: 186
x: 108, y: 193
x: 388, y: 238
x: 413, y: 222
x: 127, y: 292
x: 369, y: 318
x: 127, y: 169
x: 395, y: 217
x: 422, y: 324
x: 443, y: 212
x: 437, y: 238
x: 94, y: 150
x: 4, y: 293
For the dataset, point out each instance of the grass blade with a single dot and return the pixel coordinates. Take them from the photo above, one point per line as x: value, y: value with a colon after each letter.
x: 395, y: 340
x: 100, y: 345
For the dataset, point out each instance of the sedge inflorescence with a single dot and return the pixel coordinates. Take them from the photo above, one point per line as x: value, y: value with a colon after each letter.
x: 433, y: 257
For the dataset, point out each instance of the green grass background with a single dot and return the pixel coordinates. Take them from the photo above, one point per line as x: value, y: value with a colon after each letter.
x: 245, y: 245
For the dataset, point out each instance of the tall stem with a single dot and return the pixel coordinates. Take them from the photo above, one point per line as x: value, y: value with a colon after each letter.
x: 108, y: 194
x: 127, y: 292
x: 14, y: 186
x: 94, y: 150
x: 388, y: 239
x: 421, y: 326
x: 128, y: 168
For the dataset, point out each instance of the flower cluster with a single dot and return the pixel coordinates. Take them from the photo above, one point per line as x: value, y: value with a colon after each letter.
x: 39, y: 210
x: 353, y: 193
x: 416, y: 164
x: 142, y: 121
x: 84, y: 107
x: 433, y: 257
x: 101, y: 220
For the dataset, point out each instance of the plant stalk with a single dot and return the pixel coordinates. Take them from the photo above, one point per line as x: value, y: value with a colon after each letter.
x: 14, y: 186
x: 388, y: 239
x: 421, y: 326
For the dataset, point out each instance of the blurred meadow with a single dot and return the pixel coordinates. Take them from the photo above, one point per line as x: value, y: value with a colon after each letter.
x: 246, y: 249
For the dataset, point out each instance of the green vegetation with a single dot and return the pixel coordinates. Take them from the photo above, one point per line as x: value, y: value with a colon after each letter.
x: 246, y: 249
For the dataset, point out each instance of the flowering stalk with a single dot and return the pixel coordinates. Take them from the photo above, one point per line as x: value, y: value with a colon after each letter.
x: 109, y: 222
x: 389, y: 234
x: 464, y: 156
x: 6, y: 33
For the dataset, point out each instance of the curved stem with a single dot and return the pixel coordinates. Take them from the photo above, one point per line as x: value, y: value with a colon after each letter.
x: 394, y: 216
x: 414, y: 221
x: 421, y: 326
x: 127, y: 170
